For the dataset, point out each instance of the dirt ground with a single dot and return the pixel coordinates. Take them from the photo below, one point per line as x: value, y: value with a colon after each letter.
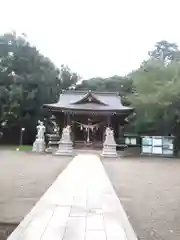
x: 24, y: 177
x: 149, y: 190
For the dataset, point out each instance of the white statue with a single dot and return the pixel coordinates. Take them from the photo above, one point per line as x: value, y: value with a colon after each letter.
x: 40, y: 130
x: 65, y: 144
x: 39, y: 143
x: 66, y: 130
x: 109, y: 145
x: 108, y: 131
x: 66, y: 134
x: 109, y: 136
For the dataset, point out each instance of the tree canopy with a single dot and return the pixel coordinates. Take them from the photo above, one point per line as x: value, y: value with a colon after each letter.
x: 156, y: 93
x: 27, y: 81
x: 165, y: 51
x: 156, y: 98
x: 122, y: 85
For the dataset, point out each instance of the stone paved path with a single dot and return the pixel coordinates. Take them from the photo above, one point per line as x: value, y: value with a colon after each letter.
x: 80, y: 205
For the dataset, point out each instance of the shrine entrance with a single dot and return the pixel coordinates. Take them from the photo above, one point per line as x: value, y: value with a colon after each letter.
x: 88, y: 130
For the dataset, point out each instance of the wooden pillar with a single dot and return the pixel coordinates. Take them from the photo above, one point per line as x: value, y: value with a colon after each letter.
x: 109, y: 120
x: 73, y: 128
x: 60, y: 121
x: 69, y: 123
x: 68, y: 119
x: 65, y: 120
x: 108, y: 124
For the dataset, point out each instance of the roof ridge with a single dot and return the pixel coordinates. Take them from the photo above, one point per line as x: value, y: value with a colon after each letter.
x: 107, y: 93
x: 86, y: 91
x: 88, y: 95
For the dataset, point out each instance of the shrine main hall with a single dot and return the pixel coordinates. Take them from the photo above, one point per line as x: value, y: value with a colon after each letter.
x: 89, y: 113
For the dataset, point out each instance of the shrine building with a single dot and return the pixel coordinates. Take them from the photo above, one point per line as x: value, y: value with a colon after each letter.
x: 89, y: 113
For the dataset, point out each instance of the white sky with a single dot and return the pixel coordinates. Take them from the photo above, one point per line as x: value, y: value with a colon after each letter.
x: 94, y: 37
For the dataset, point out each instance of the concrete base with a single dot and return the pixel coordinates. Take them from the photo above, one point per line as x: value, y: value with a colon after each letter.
x: 109, y: 151
x: 53, y: 141
x: 63, y: 153
x: 64, y: 149
x: 51, y: 149
x: 109, y: 155
x: 39, y: 146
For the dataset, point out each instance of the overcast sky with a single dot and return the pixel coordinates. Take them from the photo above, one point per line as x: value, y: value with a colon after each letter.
x: 94, y: 37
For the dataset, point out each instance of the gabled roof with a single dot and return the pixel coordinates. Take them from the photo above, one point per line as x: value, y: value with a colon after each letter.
x: 89, y: 98
x: 89, y: 101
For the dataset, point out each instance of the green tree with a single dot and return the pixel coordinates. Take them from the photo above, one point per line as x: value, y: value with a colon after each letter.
x: 68, y: 78
x: 27, y: 81
x: 156, y: 98
x: 165, y: 51
x: 123, y: 85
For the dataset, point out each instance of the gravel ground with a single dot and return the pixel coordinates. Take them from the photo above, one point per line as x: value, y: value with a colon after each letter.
x: 149, y: 190
x: 24, y: 177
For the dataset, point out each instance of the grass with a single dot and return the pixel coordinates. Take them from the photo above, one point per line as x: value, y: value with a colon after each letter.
x: 23, y: 148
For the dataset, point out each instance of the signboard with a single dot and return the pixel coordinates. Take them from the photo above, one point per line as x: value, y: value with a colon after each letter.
x: 146, y: 149
x: 127, y: 141
x: 168, y: 143
x: 147, y: 141
x: 131, y: 141
x: 158, y: 145
x: 157, y: 150
x: 168, y: 152
x: 156, y: 141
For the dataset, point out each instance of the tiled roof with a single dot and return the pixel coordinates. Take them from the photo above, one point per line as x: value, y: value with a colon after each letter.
x: 78, y: 100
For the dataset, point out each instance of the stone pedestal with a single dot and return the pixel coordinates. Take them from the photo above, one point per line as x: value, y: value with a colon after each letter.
x: 65, y: 147
x: 109, y: 151
x: 109, y: 145
x: 39, y: 145
x: 53, y: 142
